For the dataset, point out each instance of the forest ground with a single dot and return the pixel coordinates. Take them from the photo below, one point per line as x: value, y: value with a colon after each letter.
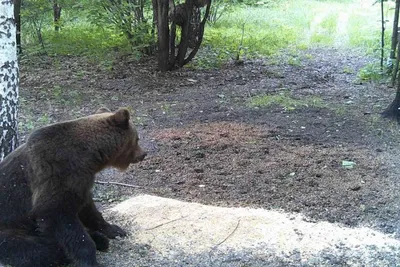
x: 209, y: 142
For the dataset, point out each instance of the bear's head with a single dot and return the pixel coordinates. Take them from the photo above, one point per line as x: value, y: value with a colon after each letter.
x: 129, y: 150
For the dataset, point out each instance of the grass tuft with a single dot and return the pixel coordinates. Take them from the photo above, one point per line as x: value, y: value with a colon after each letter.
x: 286, y: 101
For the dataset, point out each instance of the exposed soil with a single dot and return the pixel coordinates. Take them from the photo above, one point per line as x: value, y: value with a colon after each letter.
x: 207, y: 143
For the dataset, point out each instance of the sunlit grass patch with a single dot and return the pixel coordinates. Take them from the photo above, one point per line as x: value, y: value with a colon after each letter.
x: 82, y: 39
x: 325, y: 31
x: 265, y: 31
x: 285, y: 100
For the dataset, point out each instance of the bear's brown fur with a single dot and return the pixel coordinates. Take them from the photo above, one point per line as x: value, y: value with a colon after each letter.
x: 47, y: 214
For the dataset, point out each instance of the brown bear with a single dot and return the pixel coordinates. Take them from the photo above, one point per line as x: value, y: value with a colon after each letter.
x: 47, y: 213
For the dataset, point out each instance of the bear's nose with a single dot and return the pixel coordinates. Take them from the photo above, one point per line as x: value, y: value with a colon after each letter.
x: 141, y: 157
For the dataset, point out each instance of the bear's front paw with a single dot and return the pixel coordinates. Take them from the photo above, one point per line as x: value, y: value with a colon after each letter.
x: 112, y: 231
x: 101, y: 241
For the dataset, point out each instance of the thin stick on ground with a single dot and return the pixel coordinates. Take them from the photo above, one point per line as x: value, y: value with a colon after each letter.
x: 226, y: 238
x: 162, y: 224
x: 121, y: 184
x: 223, y: 241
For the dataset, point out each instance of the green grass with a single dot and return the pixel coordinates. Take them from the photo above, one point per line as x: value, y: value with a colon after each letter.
x: 326, y: 29
x: 264, y: 31
x: 285, y: 100
x: 81, y: 40
x: 89, y: 40
x: 293, y: 24
x: 77, y: 37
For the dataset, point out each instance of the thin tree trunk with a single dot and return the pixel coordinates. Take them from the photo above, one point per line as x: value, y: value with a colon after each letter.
x: 155, y: 25
x: 172, y: 58
x: 8, y: 79
x: 56, y: 15
x: 395, y: 31
x: 396, y: 69
x: 382, y: 35
x: 163, y: 34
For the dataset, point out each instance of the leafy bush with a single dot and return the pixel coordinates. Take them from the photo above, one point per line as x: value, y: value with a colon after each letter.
x: 219, y: 8
x: 129, y: 17
x: 35, y: 14
x: 371, y: 72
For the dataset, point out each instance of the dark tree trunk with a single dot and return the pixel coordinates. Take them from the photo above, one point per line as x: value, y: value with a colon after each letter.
x: 172, y: 59
x: 393, y: 110
x: 395, y: 39
x: 139, y: 11
x: 56, y: 15
x: 17, y: 16
x: 200, y: 35
x: 185, y: 34
x: 162, y: 8
x: 395, y: 30
x: 191, y: 31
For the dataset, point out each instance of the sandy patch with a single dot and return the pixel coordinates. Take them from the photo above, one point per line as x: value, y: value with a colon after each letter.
x: 174, y: 230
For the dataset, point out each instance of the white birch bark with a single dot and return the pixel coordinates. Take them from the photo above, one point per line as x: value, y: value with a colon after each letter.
x: 9, y: 79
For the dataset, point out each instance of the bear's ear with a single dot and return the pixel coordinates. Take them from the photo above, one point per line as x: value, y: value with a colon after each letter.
x: 121, y: 118
x: 103, y: 110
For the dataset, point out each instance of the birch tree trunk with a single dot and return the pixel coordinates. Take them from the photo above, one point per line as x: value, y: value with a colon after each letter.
x: 9, y: 79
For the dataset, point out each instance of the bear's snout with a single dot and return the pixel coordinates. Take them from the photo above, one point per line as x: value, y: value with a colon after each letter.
x: 139, y: 155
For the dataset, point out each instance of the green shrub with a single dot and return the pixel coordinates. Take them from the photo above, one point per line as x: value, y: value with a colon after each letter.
x: 131, y: 17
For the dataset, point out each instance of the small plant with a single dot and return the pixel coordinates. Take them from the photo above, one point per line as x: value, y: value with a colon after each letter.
x: 165, y: 108
x: 28, y: 123
x: 44, y: 119
x: 371, y: 72
x: 294, y: 61
x: 348, y: 70
x: 341, y: 110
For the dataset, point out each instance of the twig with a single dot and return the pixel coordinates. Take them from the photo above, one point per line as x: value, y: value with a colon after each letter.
x: 157, y: 226
x: 122, y: 184
x: 226, y: 238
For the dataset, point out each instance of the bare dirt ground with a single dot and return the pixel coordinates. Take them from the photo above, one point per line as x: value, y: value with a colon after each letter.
x: 207, y: 144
